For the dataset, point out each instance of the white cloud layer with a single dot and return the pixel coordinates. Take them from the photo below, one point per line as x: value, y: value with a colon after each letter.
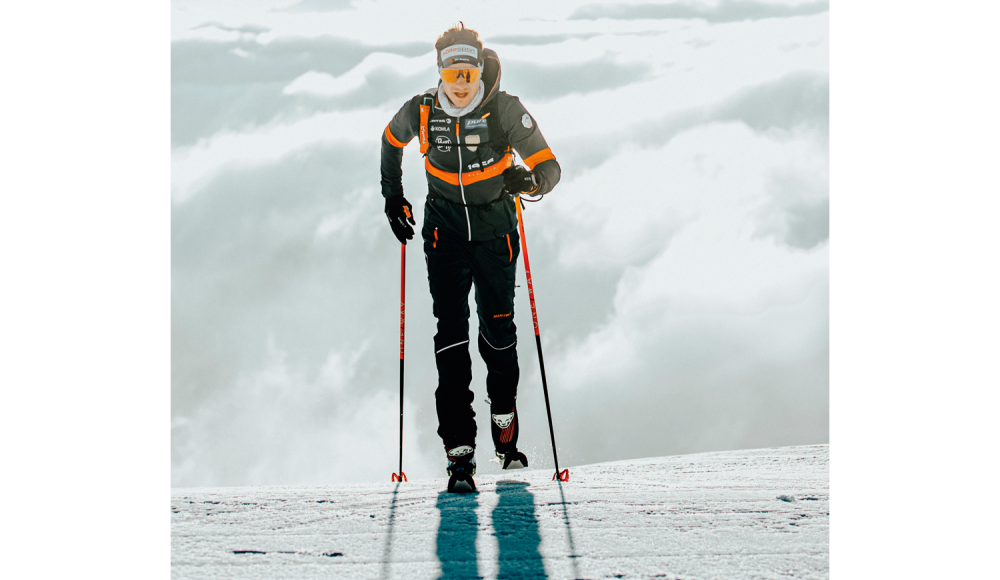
x: 680, y: 267
x: 321, y: 83
x: 281, y: 424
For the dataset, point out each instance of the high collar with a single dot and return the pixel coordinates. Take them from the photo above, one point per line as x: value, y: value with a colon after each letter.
x: 455, y: 111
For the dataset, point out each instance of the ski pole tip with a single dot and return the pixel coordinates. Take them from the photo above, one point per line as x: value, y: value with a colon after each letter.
x: 561, y: 475
x: 399, y: 477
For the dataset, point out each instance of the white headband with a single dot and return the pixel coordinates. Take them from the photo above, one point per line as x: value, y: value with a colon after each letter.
x: 458, y: 51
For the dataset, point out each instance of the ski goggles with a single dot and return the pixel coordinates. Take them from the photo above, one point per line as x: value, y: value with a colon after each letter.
x: 451, y: 75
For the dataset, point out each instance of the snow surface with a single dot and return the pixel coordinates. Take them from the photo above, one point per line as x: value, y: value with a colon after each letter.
x: 760, y: 513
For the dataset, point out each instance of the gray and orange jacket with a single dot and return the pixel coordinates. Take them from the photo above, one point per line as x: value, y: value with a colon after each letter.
x: 464, y: 166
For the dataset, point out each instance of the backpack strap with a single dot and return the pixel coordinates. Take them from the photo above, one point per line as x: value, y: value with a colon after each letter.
x: 426, y: 106
x: 498, y: 139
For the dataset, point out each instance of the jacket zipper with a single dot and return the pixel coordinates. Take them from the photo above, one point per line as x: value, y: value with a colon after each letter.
x: 458, y: 139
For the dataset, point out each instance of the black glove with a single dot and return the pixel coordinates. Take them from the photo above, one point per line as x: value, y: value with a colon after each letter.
x: 398, y: 210
x: 517, y: 179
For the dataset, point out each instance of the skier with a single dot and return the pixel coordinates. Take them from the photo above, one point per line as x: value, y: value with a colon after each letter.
x: 467, y: 128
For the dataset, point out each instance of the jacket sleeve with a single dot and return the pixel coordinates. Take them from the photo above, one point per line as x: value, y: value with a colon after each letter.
x: 401, y: 130
x: 523, y: 133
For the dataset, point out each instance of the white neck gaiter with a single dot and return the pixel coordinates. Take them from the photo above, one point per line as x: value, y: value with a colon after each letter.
x: 455, y: 111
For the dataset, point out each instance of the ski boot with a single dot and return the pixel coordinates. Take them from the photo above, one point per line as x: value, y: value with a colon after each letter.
x: 461, y: 468
x: 504, y: 429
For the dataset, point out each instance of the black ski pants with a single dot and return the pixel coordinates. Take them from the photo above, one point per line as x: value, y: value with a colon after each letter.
x: 454, y: 266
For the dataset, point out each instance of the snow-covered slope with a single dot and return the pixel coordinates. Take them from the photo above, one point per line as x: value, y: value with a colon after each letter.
x: 760, y: 513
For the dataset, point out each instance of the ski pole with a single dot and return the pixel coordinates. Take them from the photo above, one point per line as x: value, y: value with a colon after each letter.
x: 564, y: 474
x: 402, y: 334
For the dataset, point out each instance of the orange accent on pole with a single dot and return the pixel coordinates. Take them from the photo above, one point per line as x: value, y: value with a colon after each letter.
x: 544, y: 155
x: 510, y: 250
x: 471, y: 176
x: 527, y: 264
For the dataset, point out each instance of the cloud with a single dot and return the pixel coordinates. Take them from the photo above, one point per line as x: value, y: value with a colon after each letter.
x: 683, y: 294
x: 665, y: 381
x: 251, y: 29
x: 238, y: 85
x: 285, y: 290
x: 798, y: 100
x: 797, y: 210
x: 545, y: 82
x: 536, y: 39
x: 284, y: 425
x: 247, y: 243
x: 722, y: 11
x: 319, y: 6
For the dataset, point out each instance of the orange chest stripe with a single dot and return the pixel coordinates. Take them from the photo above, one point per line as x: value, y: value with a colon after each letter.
x: 472, y: 176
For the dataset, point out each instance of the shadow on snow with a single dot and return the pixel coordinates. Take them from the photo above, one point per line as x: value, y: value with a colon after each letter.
x: 456, y: 537
x: 515, y: 527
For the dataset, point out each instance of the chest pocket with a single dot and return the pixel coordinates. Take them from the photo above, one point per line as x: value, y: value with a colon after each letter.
x: 476, y: 133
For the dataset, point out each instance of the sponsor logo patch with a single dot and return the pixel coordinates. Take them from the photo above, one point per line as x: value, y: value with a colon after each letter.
x: 461, y: 451
x: 440, y: 120
x: 526, y: 121
x: 440, y: 128
x: 444, y: 143
x: 459, y: 50
x: 475, y: 123
x: 503, y: 421
x: 471, y: 139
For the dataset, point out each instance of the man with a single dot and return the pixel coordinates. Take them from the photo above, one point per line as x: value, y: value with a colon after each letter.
x: 467, y: 128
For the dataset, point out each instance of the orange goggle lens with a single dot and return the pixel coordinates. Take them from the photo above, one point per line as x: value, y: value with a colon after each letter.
x: 451, y: 75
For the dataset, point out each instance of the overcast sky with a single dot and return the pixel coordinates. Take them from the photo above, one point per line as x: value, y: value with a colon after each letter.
x: 680, y: 266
